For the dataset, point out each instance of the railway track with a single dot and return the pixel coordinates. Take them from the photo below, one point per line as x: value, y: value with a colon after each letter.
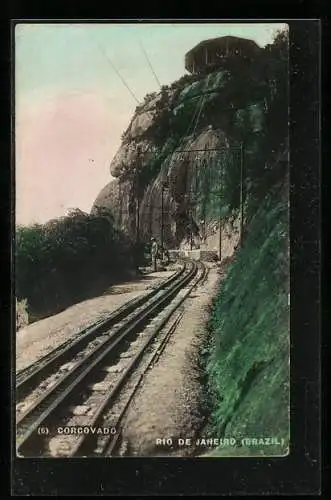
x: 91, y: 392
x: 28, y: 378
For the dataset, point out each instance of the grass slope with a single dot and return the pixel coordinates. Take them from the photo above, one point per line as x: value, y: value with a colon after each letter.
x: 248, y: 365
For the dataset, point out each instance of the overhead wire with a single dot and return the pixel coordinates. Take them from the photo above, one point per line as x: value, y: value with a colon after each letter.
x: 195, y: 114
x: 149, y: 62
x: 147, y: 59
x: 199, y: 113
x: 114, y: 68
x: 197, y: 110
x: 194, y: 120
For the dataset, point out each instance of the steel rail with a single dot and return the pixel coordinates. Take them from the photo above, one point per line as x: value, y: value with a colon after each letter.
x: 53, y: 400
x: 53, y: 360
x: 109, y: 448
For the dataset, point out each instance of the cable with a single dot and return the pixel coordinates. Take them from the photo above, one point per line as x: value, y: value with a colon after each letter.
x: 195, y: 117
x: 149, y: 63
x: 114, y: 68
x: 201, y: 107
x: 147, y: 58
x: 196, y: 112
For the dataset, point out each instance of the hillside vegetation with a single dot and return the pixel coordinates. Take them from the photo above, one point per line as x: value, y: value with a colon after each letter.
x: 248, y: 359
x: 247, y: 356
x: 67, y: 260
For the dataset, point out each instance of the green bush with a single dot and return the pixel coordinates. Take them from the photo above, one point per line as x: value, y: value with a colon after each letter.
x: 22, y: 314
x: 60, y: 262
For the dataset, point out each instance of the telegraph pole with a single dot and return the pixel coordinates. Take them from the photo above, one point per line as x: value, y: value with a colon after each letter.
x: 190, y: 216
x: 220, y: 238
x: 137, y: 195
x: 220, y: 218
x: 241, y: 194
x: 204, y: 190
x: 191, y: 229
x: 163, y: 187
x: 138, y: 221
x: 120, y: 197
x: 162, y: 222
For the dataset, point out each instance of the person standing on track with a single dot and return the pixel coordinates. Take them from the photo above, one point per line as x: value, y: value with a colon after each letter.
x: 154, y: 253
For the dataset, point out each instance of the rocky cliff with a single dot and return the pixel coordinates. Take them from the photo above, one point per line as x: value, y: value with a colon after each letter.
x: 177, y: 145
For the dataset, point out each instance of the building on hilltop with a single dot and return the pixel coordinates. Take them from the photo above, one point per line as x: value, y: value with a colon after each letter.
x: 215, y: 53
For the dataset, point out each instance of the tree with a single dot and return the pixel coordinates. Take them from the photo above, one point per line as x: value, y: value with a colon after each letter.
x: 64, y: 257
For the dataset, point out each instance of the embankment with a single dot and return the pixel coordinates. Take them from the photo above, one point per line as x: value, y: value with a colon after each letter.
x: 248, y: 354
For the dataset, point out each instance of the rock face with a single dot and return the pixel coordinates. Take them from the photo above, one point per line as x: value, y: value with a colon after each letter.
x: 172, y: 136
x: 119, y: 195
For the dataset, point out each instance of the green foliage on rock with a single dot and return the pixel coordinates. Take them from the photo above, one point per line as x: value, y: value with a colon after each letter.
x: 248, y: 366
x: 250, y: 106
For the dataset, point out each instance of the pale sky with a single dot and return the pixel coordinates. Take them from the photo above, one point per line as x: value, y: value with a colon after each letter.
x: 71, y: 107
